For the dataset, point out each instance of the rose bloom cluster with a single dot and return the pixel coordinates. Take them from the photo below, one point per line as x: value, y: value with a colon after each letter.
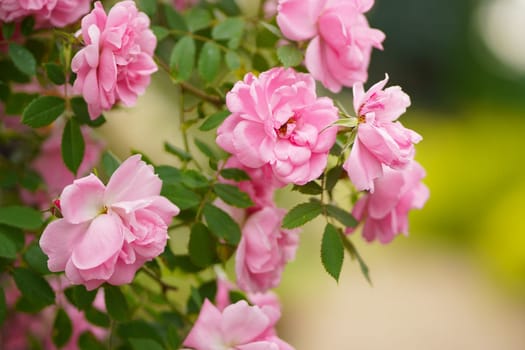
x: 279, y: 132
x: 47, y: 13
x: 117, y: 62
x: 108, y: 232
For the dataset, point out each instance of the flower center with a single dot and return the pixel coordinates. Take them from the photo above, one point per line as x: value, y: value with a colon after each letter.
x: 287, y: 128
x: 361, y: 119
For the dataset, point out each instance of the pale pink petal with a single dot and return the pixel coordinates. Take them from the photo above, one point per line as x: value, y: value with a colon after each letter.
x: 298, y: 18
x: 133, y: 180
x: 102, y: 240
x: 83, y: 200
x: 58, y: 242
x: 242, y: 323
x: 206, y: 332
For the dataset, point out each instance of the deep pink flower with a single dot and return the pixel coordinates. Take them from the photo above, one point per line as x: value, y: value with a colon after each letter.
x: 278, y: 120
x: 108, y: 232
x: 117, y: 62
x: 47, y: 13
x: 238, y: 327
x: 264, y: 250
x: 380, y: 138
x: 341, y: 39
x: 385, y: 212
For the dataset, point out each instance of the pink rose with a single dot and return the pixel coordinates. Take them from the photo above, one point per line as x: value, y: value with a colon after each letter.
x: 341, y: 39
x: 108, y: 232
x: 264, y: 250
x: 277, y: 120
x: 385, y: 212
x: 380, y: 139
x: 117, y: 62
x: 47, y: 13
x: 238, y: 327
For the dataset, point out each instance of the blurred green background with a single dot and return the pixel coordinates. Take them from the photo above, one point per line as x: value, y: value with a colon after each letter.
x: 458, y: 281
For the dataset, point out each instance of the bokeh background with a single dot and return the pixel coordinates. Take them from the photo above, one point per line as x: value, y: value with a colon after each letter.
x: 458, y: 280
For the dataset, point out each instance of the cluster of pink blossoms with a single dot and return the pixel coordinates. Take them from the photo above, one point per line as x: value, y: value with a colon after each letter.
x: 117, y: 62
x: 47, y: 13
x: 108, y: 232
x: 341, y: 40
x: 279, y: 133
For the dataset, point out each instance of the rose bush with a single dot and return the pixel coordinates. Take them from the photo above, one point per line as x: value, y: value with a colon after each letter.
x: 160, y: 243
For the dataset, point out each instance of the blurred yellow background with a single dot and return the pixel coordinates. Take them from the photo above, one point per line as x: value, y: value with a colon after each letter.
x: 458, y: 280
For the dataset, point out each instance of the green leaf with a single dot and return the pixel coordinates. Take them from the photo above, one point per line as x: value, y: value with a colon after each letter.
x: 235, y: 174
x: 351, y: 249
x: 27, y: 25
x: 233, y: 60
x: 221, y: 224
x: 160, y: 32
x: 43, y: 111
x: 231, y: 195
x: 301, y: 214
x: 55, y: 73
x: 7, y: 30
x: 144, y: 344
x: 207, y: 290
x: 72, y: 145
x: 110, y: 163
x: 23, y: 59
x: 87, y: 341
x: 311, y: 187
x: 178, y: 152
x: 343, y: 216
x: 332, y: 177
x: 62, y: 328
x: 194, y: 179
x: 214, y: 120
x: 260, y: 63
x: 230, y: 29
x: 205, y: 149
x: 148, y: 6
x: 289, y: 55
x: 7, y: 247
x: 138, y: 329
x: 209, y: 61
x: 97, y: 317
x: 332, y: 251
x: 80, y: 297
x: 197, y: 18
x: 116, y: 303
x: 266, y: 37
x: 17, y: 102
x: 3, y: 306
x: 229, y: 7
x: 81, y: 112
x: 174, y: 19
x: 235, y: 296
x: 34, y: 288
x: 201, y: 246
x: 168, y: 174
x: 182, y: 58
x: 21, y: 217
x: 180, y: 196
x: 36, y: 259
x: 15, y: 235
